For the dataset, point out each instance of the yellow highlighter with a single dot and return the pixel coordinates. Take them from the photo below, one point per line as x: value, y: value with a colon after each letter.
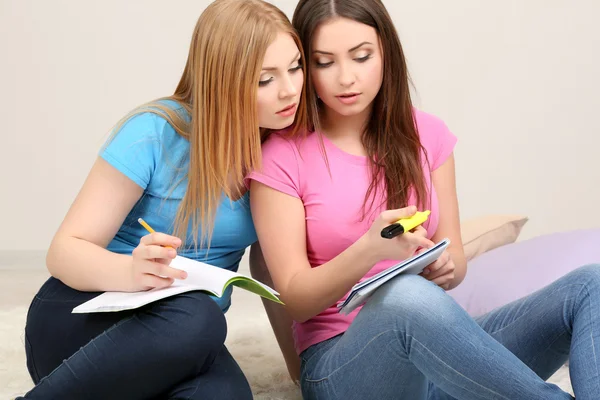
x: 405, y: 224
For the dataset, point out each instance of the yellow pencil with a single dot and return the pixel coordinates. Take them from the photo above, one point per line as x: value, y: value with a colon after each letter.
x: 149, y: 228
x: 145, y: 225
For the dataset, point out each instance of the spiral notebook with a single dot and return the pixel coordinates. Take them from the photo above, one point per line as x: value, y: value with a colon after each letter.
x: 361, y: 292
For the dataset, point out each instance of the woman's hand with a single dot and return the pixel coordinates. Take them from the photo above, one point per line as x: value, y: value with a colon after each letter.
x: 400, y: 247
x: 441, y: 271
x: 150, y: 263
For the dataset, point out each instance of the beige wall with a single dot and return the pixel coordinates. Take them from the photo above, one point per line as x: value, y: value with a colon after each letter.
x: 517, y: 81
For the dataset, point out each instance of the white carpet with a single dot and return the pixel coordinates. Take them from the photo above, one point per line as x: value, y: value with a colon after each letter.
x: 250, y: 340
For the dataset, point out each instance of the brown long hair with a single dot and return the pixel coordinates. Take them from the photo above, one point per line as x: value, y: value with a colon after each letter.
x: 390, y: 136
x: 218, y: 89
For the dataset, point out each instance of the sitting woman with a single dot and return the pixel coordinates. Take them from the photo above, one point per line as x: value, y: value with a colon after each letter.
x: 179, y: 163
x: 320, y: 203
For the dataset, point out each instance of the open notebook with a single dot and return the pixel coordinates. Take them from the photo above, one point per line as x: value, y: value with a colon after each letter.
x: 201, y: 276
x: 414, y: 265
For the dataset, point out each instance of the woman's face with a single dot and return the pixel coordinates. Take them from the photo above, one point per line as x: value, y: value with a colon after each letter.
x: 280, y: 84
x: 346, y: 65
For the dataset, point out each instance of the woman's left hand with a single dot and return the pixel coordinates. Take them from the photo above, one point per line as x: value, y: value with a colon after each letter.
x: 441, y: 271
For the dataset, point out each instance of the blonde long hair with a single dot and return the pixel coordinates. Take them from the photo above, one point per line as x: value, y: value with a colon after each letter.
x: 218, y: 89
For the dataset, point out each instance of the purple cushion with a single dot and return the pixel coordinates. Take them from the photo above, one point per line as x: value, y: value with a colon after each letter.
x: 515, y: 270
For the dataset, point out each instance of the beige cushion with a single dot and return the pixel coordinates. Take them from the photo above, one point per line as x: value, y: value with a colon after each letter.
x: 489, y: 232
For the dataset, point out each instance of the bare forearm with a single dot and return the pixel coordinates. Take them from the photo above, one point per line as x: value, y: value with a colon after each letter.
x: 87, y: 267
x: 460, y: 266
x: 281, y: 323
x: 313, y: 290
x: 280, y: 319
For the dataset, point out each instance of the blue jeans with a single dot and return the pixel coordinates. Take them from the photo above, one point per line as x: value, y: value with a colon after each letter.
x: 413, y: 341
x: 173, y: 348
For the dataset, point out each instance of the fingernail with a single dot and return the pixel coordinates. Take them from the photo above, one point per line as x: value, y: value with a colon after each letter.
x: 172, y: 253
x: 183, y: 275
x: 426, y: 271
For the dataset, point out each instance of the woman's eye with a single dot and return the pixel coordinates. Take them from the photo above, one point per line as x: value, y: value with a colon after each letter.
x: 363, y: 59
x: 296, y: 68
x: 323, y: 64
x: 265, y: 82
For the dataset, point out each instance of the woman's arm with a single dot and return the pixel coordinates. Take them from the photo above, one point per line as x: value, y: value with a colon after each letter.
x: 280, y: 224
x: 444, y: 181
x: 280, y: 320
x: 78, y: 256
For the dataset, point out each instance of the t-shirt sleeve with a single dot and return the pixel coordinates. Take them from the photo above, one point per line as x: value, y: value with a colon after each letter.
x: 436, y: 138
x: 280, y: 168
x: 135, y: 149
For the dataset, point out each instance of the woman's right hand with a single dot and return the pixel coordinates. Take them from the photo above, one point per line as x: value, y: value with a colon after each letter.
x: 400, y: 247
x: 150, y: 262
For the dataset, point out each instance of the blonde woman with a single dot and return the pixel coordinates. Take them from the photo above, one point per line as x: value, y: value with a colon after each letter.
x: 179, y: 163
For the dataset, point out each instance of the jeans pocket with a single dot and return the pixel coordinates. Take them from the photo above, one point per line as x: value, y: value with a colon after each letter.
x: 314, y: 384
x: 317, y: 389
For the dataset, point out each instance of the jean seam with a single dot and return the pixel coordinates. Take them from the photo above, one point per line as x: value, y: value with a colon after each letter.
x: 34, y: 369
x: 306, y: 360
x: 455, y: 371
x: 591, y: 331
x: 191, y: 396
x: 349, y: 361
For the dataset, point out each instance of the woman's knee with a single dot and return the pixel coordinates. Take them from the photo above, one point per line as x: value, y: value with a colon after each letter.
x: 193, y: 322
x: 587, y: 276
x: 413, y: 297
x: 589, y: 272
x: 409, y: 291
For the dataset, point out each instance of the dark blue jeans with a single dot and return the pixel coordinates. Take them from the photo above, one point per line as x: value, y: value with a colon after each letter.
x: 170, y: 349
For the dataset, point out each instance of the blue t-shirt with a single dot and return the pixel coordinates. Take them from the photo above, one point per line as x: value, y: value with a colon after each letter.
x: 153, y: 155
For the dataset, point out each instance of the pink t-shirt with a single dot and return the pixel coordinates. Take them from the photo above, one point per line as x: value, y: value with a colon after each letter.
x: 333, y: 203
